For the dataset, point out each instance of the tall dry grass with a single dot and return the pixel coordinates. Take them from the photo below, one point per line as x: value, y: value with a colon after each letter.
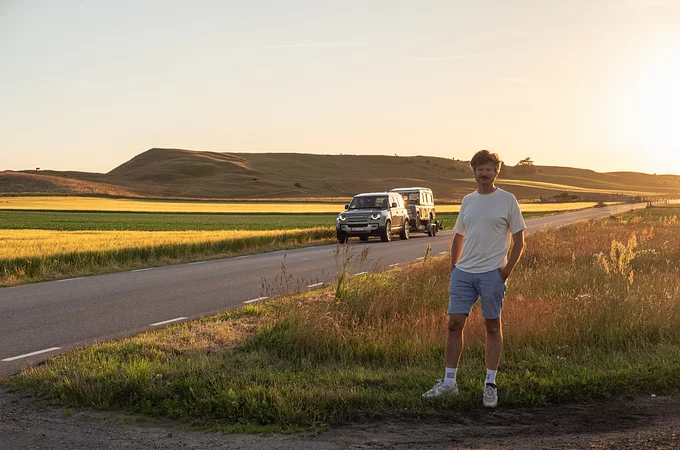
x: 610, y: 284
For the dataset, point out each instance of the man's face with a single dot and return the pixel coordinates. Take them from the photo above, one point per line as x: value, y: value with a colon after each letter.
x: 485, y: 174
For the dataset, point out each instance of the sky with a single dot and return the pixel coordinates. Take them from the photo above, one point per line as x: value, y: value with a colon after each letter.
x: 88, y: 84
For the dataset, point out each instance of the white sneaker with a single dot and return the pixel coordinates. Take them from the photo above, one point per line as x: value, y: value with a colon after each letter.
x: 440, y: 389
x: 490, y: 399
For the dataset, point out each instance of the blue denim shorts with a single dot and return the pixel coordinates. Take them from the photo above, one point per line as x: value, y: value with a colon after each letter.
x: 466, y: 288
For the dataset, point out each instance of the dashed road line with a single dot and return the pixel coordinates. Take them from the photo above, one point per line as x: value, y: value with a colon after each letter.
x: 142, y: 270
x: 27, y: 355
x: 197, y: 262
x: 315, y: 285
x: 167, y: 321
x: 394, y: 265
x: 420, y: 259
x: 255, y: 300
x: 70, y: 279
x: 360, y: 273
x: 442, y: 253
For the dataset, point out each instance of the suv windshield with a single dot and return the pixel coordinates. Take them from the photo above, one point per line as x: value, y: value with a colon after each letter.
x: 369, y: 203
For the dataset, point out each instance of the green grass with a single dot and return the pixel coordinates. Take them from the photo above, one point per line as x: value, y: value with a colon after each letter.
x: 578, y: 327
x: 74, y: 221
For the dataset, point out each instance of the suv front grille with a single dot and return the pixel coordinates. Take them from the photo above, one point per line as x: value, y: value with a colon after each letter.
x: 354, y: 218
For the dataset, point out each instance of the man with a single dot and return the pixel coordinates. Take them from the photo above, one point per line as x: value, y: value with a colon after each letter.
x: 488, y: 218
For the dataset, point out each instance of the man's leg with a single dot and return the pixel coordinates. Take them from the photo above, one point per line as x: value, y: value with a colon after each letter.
x: 462, y: 295
x: 493, y: 349
x: 494, y: 343
x: 454, y: 339
x: 493, y: 291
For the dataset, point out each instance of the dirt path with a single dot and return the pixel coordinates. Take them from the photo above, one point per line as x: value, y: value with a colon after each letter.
x: 649, y: 423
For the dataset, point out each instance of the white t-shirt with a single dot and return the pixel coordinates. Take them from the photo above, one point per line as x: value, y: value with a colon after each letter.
x: 488, y: 222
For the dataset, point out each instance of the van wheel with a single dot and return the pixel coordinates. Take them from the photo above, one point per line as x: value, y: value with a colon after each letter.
x: 363, y: 238
x: 431, y: 229
x: 405, y: 231
x: 386, y: 235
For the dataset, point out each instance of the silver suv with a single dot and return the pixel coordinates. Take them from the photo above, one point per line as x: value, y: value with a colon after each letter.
x: 373, y: 214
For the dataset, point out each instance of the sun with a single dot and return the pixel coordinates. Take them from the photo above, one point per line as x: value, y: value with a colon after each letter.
x: 653, y: 111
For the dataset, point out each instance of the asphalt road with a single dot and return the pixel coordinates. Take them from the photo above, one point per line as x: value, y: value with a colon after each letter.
x: 43, y: 319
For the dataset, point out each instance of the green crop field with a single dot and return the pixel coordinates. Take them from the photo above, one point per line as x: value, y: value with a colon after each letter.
x: 117, y: 221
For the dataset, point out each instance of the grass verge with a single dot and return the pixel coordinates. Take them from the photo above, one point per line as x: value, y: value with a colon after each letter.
x: 592, y: 313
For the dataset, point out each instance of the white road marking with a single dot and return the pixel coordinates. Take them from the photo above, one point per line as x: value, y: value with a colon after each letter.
x: 142, y: 270
x: 360, y: 273
x: 167, y: 321
x: 70, y: 279
x: 394, y: 265
x: 442, y: 253
x: 197, y: 262
x: 255, y: 300
x: 315, y: 285
x: 14, y: 358
x: 420, y: 259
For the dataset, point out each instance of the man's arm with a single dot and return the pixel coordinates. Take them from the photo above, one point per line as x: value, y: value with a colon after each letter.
x: 456, y: 249
x: 515, y: 254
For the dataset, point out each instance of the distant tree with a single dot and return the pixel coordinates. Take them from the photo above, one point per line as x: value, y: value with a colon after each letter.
x: 525, y: 165
x: 38, y: 168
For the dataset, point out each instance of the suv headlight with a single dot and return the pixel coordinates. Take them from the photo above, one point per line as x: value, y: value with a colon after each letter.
x: 375, y: 216
x: 342, y: 217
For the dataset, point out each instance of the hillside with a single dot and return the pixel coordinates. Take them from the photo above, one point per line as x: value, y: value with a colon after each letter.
x: 22, y: 183
x: 209, y: 175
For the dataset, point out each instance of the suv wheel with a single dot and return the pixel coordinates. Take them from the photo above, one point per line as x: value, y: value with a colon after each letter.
x: 386, y: 236
x: 363, y: 238
x: 405, y: 231
x: 342, y: 238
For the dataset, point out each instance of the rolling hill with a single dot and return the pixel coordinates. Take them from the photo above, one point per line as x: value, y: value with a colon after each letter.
x: 174, y: 173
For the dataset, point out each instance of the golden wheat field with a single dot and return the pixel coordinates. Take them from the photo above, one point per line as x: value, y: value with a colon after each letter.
x: 135, y: 205
x: 40, y: 243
